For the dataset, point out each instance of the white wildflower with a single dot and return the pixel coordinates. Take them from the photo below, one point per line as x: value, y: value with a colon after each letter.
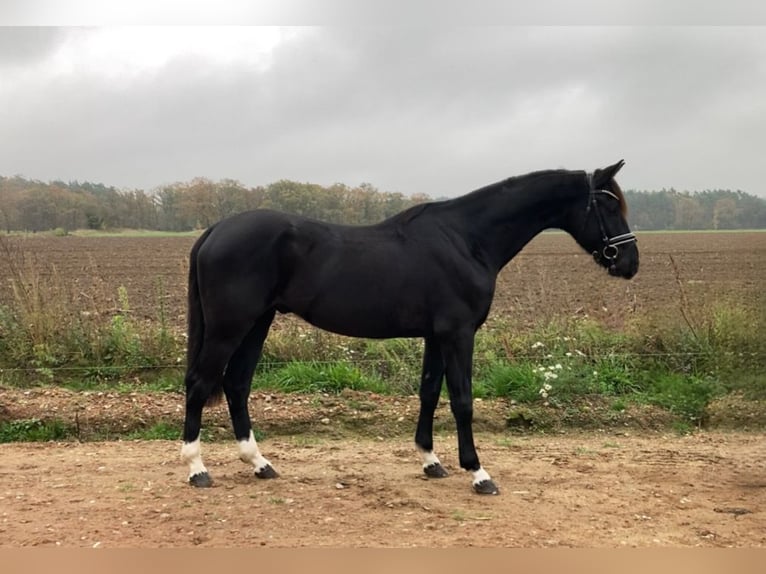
x: 537, y: 345
x: 548, y: 375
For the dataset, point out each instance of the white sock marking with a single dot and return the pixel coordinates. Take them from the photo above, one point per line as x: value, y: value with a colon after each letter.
x: 429, y: 458
x: 480, y: 476
x: 250, y: 453
x: 191, y: 453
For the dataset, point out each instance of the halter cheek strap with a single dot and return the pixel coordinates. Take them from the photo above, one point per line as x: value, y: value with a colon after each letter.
x: 610, y: 248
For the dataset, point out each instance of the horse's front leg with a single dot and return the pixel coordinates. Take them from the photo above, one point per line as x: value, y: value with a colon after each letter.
x: 430, y: 389
x: 458, y: 355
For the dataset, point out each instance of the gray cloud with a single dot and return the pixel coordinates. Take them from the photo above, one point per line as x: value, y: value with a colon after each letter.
x: 440, y: 110
x: 24, y: 46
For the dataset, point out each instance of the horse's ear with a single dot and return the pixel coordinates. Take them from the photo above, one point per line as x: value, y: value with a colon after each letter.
x: 601, y: 177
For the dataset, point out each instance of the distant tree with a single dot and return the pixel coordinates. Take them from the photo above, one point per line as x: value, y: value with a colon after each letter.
x: 168, y: 202
x: 197, y: 203
x: 37, y: 206
x: 231, y: 197
x: 725, y: 213
x: 689, y: 213
x: 650, y: 209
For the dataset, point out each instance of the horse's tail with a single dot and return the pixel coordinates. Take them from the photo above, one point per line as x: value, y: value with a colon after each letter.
x: 195, y: 317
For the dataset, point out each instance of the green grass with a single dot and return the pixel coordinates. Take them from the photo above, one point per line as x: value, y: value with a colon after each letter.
x: 683, y: 395
x: 316, y: 377
x: 132, y: 233
x: 158, y: 431
x: 519, y: 381
x: 34, y: 430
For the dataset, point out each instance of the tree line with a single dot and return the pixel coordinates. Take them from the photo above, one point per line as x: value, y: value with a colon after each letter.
x: 32, y: 206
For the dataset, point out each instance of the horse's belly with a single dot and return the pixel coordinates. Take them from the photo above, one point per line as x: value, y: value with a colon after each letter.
x: 375, y: 319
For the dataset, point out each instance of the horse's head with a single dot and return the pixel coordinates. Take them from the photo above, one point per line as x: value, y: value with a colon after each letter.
x: 600, y: 226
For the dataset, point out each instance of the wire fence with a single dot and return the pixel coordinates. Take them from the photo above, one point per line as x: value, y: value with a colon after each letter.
x: 367, y: 362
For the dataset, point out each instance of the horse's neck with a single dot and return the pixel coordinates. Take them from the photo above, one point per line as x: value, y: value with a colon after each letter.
x: 501, y: 219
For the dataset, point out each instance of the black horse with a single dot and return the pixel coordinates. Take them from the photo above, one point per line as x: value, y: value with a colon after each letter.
x: 428, y: 272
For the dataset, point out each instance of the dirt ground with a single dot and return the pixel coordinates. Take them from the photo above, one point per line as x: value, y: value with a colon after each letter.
x: 608, y: 489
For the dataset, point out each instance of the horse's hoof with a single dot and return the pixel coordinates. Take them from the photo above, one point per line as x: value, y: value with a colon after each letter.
x: 485, y: 487
x: 435, y: 470
x: 267, y: 472
x: 201, y: 480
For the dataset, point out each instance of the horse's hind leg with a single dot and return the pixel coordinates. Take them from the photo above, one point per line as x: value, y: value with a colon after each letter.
x: 236, y: 385
x: 430, y: 389
x: 203, y: 382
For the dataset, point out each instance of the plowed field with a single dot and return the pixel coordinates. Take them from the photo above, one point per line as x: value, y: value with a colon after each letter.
x: 550, y: 277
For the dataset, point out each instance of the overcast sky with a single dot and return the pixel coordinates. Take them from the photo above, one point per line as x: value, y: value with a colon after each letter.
x: 437, y: 110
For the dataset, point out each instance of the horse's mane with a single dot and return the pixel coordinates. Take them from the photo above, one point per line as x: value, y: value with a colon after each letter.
x: 508, y: 183
x: 410, y: 213
x: 416, y: 210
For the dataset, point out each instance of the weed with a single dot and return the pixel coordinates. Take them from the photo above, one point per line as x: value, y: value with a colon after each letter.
x: 618, y: 405
x: 685, y: 395
x: 34, y: 430
x: 682, y: 427
x: 158, y: 431
x: 519, y: 381
x: 315, y: 377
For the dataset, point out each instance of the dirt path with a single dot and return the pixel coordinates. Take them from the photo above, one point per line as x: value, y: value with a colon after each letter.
x: 585, y: 490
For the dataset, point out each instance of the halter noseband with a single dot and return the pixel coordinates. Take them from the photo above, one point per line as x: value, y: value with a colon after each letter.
x: 611, y: 244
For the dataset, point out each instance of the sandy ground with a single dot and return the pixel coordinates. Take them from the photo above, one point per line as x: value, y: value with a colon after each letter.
x: 585, y: 490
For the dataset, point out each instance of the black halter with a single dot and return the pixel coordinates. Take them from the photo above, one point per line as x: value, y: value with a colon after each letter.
x: 610, y: 244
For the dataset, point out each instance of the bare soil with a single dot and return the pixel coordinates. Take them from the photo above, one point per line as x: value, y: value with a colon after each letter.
x: 551, y: 277
x: 608, y: 489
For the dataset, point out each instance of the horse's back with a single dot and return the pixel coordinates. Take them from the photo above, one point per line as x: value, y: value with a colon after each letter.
x: 378, y: 281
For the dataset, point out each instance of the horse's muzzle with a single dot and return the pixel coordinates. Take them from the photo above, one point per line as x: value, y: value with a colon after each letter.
x: 628, y: 274
x: 625, y: 266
